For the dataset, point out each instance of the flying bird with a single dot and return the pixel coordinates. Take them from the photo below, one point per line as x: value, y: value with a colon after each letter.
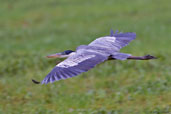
x: 88, y: 56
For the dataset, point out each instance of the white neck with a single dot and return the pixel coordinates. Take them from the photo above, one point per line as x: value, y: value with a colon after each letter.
x: 69, y: 55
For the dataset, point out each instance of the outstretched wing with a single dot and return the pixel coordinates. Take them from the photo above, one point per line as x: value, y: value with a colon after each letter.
x: 114, y: 41
x: 123, y: 39
x: 74, y: 65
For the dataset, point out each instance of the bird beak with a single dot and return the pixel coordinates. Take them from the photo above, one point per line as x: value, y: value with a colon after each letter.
x: 57, y: 55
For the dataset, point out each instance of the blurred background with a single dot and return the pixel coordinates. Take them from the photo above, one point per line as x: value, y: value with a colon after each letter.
x: 30, y: 30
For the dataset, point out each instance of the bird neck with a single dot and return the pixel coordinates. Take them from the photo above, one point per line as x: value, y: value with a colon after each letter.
x: 68, y: 55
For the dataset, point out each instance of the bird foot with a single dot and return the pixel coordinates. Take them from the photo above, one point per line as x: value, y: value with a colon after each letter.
x: 147, y: 57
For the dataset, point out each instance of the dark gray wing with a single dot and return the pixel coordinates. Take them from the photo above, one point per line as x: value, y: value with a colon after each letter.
x: 123, y: 39
x: 114, y: 41
x: 74, y: 65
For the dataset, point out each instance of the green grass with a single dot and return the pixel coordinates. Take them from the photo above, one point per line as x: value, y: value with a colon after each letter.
x: 30, y: 30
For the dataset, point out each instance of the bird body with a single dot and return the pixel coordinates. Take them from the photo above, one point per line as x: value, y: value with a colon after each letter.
x: 88, y: 56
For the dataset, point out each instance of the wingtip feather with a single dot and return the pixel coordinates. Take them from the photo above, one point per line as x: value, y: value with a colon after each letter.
x: 35, y: 82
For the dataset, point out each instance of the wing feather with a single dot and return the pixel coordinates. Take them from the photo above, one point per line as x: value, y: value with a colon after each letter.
x: 72, y: 66
x: 115, y: 41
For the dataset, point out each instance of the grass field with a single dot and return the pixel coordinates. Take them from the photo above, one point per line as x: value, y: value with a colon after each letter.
x: 30, y: 30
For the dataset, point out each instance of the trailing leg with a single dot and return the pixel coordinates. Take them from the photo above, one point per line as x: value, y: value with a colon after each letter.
x: 124, y: 56
x: 146, y: 57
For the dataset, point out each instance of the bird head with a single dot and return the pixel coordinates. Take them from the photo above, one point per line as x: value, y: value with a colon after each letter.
x: 63, y: 54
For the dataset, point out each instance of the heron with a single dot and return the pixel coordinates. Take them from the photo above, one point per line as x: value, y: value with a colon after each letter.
x: 85, y: 57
